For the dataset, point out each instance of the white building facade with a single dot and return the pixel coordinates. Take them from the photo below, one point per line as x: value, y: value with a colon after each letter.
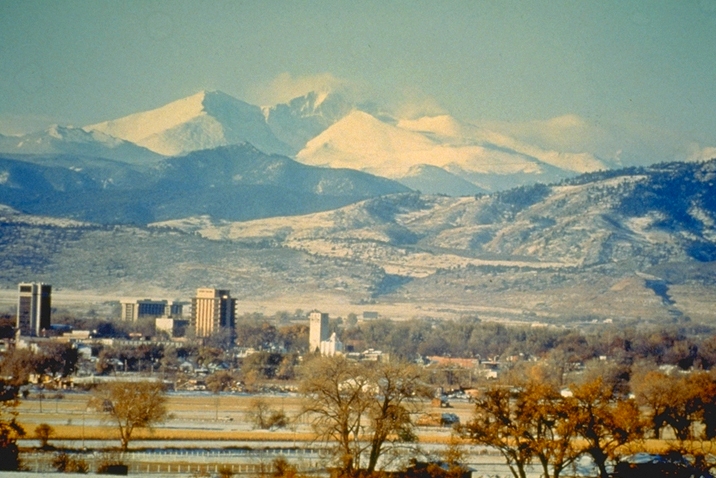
x: 318, y: 331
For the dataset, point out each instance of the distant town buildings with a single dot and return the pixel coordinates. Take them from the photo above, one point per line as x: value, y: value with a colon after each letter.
x: 34, y: 308
x: 212, y: 310
x: 318, y: 330
x: 148, y: 308
x: 318, y: 336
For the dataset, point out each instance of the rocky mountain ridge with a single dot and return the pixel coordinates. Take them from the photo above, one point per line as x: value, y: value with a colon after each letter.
x: 234, y: 182
x: 637, y: 243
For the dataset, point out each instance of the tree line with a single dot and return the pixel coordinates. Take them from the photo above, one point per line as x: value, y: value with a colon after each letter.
x: 365, y: 413
x: 530, y: 419
x: 281, y: 339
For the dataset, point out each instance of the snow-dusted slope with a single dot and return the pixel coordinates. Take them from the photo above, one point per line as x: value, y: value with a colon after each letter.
x: 324, y: 129
x: 447, y: 129
x: 361, y: 141
x: 202, y: 121
x: 305, y: 117
x: 433, y: 180
x: 9, y: 215
x: 76, y: 141
x: 612, y: 220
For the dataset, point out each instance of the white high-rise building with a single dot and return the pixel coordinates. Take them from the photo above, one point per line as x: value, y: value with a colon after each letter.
x: 318, y: 331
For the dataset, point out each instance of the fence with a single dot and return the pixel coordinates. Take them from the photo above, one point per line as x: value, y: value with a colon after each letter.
x: 183, y: 462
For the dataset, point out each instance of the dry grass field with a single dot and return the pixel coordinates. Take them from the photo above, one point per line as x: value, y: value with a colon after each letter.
x: 197, y: 417
x: 207, y: 423
x: 208, y: 417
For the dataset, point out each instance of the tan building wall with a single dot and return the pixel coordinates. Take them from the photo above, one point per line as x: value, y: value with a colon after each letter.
x: 212, y: 309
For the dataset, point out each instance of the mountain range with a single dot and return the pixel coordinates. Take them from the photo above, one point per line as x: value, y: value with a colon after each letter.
x: 321, y: 202
x: 232, y: 182
x: 68, y: 140
x: 630, y: 244
x: 436, y: 154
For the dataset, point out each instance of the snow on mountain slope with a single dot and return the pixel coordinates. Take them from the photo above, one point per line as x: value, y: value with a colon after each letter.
x: 76, y: 141
x: 590, y: 222
x: 303, y: 118
x: 442, y: 126
x: 361, y: 141
x: 449, y: 130
x: 433, y: 180
x: 202, y: 121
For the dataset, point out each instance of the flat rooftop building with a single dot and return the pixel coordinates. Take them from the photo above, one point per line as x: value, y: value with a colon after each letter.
x: 212, y: 311
x: 148, y: 308
x: 34, y: 308
x: 318, y: 330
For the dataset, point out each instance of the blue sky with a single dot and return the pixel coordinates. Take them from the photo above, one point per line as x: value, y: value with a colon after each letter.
x: 641, y: 75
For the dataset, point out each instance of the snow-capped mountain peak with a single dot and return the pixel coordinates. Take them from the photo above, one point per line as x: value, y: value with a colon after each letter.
x: 441, y: 125
x: 139, y: 126
x: 326, y: 129
x: 205, y: 120
x: 77, y: 141
x: 361, y: 141
x: 304, y: 117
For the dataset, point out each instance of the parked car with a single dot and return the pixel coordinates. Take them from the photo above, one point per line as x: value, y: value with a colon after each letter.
x: 645, y: 465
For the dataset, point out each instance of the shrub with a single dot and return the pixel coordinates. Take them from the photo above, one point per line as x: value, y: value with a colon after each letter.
x: 111, y: 465
x: 264, y: 417
x: 283, y: 469
x: 64, y: 463
x: 225, y: 472
x: 43, y: 432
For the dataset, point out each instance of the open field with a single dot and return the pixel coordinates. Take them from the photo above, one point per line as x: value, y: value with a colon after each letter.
x: 193, y: 417
x: 206, y: 433
x: 204, y: 417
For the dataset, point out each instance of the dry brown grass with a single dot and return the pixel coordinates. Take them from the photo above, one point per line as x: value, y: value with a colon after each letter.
x: 105, y: 432
x: 203, y: 409
x: 196, y: 410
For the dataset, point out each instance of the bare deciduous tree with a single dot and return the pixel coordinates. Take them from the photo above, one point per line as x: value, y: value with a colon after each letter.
x: 604, y: 420
x: 361, y: 409
x: 264, y: 417
x: 499, y: 424
x: 131, y: 406
x: 531, y: 421
x: 685, y: 404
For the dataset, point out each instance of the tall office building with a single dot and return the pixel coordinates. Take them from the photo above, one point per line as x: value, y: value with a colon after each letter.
x: 212, y: 310
x: 34, y: 308
x: 318, y: 330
